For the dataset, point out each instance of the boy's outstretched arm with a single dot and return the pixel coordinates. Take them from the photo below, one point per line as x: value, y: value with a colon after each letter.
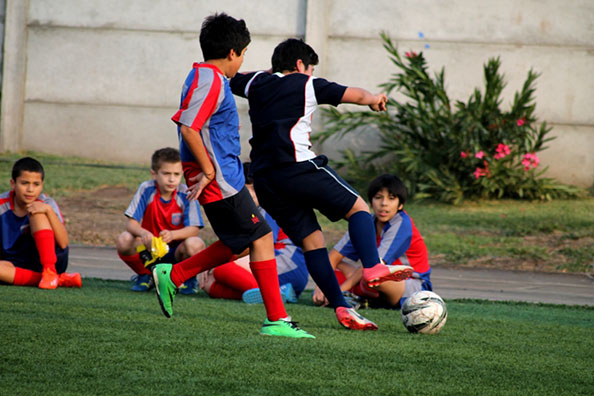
x: 361, y: 96
x: 196, y: 145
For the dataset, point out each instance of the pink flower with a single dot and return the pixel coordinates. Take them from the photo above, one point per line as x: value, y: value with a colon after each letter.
x: 520, y: 121
x: 411, y: 54
x: 530, y: 160
x: 480, y: 172
x: 502, y: 151
x: 479, y: 155
x: 463, y: 154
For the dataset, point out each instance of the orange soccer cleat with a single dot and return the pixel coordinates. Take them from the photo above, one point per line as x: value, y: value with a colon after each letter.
x: 49, y: 279
x: 351, y: 319
x: 381, y: 273
x: 70, y: 280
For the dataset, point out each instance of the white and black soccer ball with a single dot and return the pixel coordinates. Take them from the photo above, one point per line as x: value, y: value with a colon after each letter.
x: 424, y: 312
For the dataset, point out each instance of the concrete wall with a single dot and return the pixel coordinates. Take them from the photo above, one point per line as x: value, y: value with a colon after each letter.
x: 101, y: 79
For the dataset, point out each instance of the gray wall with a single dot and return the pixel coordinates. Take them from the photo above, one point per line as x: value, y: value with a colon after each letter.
x: 101, y: 79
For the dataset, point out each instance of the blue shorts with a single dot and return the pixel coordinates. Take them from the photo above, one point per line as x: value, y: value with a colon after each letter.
x: 28, y: 258
x: 291, y: 192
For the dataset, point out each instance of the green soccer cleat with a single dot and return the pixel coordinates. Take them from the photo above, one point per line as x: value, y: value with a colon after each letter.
x: 166, y: 289
x: 283, y: 328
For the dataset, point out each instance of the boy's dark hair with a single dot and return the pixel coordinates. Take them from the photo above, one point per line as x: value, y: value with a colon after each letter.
x: 246, y: 173
x: 390, y: 182
x: 166, y: 154
x: 287, y: 53
x: 221, y: 33
x: 27, y: 164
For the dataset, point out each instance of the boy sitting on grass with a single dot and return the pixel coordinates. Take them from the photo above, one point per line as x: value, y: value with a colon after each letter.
x: 34, y: 241
x: 399, y: 242
x: 160, y: 209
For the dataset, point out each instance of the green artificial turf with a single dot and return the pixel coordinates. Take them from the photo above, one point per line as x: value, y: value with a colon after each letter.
x: 106, y: 340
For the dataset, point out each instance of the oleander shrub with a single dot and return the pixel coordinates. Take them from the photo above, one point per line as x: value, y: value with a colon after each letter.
x: 450, y: 150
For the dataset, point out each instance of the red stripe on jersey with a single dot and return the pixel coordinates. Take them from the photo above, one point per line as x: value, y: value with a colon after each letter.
x: 209, y: 105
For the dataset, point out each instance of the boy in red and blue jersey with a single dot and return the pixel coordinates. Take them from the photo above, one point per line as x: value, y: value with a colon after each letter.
x: 160, y: 208
x: 291, y: 180
x: 33, y: 238
x: 398, y: 241
x: 208, y: 132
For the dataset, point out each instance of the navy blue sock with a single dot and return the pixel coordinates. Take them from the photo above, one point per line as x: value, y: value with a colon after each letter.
x: 362, y: 233
x: 320, y: 269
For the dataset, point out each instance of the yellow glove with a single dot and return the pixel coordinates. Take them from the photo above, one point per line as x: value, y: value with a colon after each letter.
x: 158, y: 250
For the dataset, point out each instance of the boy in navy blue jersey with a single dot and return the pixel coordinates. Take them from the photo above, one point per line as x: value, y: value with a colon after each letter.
x: 291, y: 181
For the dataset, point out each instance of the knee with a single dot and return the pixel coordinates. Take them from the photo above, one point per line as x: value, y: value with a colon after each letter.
x: 359, y: 206
x: 125, y: 241
x: 313, y: 241
x: 193, y: 245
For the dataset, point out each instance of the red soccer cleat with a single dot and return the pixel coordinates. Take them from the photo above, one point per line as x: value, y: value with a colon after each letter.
x: 70, y: 280
x: 49, y: 279
x: 381, y: 273
x: 352, y: 320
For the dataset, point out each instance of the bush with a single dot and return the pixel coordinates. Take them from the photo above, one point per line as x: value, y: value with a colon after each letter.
x: 450, y: 153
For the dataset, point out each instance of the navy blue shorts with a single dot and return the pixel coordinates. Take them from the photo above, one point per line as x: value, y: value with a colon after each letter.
x: 29, y: 258
x: 237, y: 221
x: 290, y: 193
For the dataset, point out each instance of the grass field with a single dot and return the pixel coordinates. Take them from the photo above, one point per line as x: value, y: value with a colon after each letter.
x: 105, y: 340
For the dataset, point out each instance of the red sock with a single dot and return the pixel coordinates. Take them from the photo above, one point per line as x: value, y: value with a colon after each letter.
x: 267, y: 277
x: 46, y: 246
x: 235, y: 276
x: 135, y: 263
x: 25, y: 277
x: 214, y: 255
x: 219, y: 290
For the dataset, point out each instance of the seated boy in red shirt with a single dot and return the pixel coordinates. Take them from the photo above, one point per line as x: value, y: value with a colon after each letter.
x: 160, y: 208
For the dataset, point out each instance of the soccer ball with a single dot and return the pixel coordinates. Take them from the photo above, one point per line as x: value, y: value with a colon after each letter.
x: 424, y: 312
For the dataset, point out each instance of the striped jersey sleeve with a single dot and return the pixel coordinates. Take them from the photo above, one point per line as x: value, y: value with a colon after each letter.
x: 143, y: 196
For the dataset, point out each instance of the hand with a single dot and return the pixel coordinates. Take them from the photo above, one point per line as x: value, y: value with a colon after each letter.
x: 319, y: 298
x: 147, y: 239
x: 166, y: 236
x: 37, y: 207
x: 380, y: 104
x: 201, y: 181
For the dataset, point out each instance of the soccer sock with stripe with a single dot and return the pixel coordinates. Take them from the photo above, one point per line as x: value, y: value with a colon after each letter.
x: 214, y: 255
x: 135, y: 263
x: 46, y: 247
x: 320, y: 269
x: 362, y: 233
x: 267, y: 278
x: 25, y: 277
x: 235, y: 276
